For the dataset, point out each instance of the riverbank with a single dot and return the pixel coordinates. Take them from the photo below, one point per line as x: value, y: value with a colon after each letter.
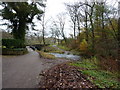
x: 59, y: 53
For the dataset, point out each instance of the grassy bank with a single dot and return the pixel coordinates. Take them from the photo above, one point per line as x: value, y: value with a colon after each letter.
x: 46, y: 55
x: 94, y: 73
x: 74, y: 52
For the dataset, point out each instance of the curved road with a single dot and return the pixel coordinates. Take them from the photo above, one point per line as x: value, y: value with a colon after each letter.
x: 23, y: 71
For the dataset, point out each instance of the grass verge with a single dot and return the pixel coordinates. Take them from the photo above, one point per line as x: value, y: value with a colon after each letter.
x: 99, y: 77
x: 46, y: 55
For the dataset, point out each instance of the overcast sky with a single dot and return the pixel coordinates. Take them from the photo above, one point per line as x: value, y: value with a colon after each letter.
x: 54, y: 7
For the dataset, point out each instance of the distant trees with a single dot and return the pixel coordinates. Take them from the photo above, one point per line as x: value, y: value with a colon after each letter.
x: 61, y: 22
x: 20, y: 14
x: 97, y: 24
x: 58, y: 28
x: 55, y: 31
x: 73, y: 11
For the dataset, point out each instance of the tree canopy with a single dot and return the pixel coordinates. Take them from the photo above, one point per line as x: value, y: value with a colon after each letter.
x: 20, y: 14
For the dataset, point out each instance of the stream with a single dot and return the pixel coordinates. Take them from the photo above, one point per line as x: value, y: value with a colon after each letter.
x: 67, y: 54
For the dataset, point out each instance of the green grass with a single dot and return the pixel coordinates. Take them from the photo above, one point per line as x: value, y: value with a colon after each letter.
x: 63, y: 47
x: 101, y: 78
x: 46, y: 55
x: 86, y: 63
x: 57, y: 51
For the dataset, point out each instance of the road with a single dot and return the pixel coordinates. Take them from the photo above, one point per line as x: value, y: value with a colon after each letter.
x: 23, y: 71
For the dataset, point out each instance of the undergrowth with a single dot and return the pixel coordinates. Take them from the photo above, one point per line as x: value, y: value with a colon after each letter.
x: 63, y: 47
x: 99, y: 77
x: 51, y: 49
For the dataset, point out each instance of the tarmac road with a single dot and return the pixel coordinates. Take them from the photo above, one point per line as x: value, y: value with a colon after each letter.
x: 23, y: 71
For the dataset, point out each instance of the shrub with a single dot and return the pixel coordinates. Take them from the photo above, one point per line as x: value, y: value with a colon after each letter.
x: 13, y: 43
x: 52, y: 49
x: 83, y: 45
x: 73, y: 44
x: 15, y: 51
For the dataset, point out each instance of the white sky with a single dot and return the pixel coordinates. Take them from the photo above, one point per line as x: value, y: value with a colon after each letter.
x: 54, y: 7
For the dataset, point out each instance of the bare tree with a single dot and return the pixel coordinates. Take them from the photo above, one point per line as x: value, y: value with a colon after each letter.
x: 43, y: 24
x: 72, y: 10
x: 61, y: 21
x: 43, y: 27
x: 90, y: 14
x: 55, y: 31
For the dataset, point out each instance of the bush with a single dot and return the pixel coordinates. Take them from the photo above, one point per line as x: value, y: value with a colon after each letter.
x: 13, y: 43
x: 83, y: 45
x: 73, y: 44
x: 52, y: 49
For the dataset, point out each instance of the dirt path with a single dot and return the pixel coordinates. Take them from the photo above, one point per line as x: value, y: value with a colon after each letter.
x: 22, y: 71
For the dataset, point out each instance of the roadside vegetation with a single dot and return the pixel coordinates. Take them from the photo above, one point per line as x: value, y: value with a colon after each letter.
x: 46, y: 55
x: 96, y: 74
x: 13, y: 47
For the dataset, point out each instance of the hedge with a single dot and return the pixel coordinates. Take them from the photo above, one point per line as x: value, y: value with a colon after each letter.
x: 13, y: 43
x: 15, y: 51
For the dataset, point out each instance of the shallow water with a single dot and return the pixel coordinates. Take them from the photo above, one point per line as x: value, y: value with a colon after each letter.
x: 66, y: 55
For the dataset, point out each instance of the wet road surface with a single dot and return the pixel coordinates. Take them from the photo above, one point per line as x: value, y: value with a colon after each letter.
x: 23, y: 71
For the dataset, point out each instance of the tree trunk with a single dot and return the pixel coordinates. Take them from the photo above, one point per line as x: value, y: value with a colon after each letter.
x: 43, y: 36
x: 64, y: 37
x: 119, y: 35
x: 93, y: 35
x: 58, y: 40
x: 74, y: 29
x: 86, y: 26
x: 21, y: 29
x: 15, y: 31
x: 78, y: 24
x: 43, y: 25
x: 103, y: 26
